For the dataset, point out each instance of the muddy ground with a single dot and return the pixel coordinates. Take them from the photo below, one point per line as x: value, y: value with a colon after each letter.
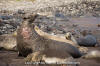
x: 10, y: 58
x: 78, y: 17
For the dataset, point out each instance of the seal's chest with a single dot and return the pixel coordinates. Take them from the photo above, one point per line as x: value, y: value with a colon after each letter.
x: 26, y: 32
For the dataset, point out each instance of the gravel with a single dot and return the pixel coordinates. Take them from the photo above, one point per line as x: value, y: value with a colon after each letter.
x: 55, y: 14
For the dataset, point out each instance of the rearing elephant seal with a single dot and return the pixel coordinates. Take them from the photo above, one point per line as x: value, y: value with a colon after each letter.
x: 29, y: 41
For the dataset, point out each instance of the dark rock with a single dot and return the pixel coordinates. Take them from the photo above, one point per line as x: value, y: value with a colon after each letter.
x: 88, y: 40
x: 21, y: 12
x: 98, y: 25
x: 6, y: 17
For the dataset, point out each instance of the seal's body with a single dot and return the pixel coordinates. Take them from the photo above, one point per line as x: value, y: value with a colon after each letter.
x: 54, y: 37
x: 8, y: 42
x: 68, y: 38
x: 94, y: 55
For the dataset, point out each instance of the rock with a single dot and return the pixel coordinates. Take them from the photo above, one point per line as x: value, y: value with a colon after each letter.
x: 88, y: 40
x: 6, y: 17
x: 21, y: 12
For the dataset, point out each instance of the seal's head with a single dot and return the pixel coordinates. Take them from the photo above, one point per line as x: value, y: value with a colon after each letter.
x: 28, y: 25
x: 68, y: 36
x: 29, y: 20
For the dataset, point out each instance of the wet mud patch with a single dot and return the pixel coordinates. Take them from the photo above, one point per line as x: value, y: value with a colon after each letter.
x: 10, y: 58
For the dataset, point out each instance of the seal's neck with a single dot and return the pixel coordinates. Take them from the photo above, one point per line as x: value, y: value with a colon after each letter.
x: 28, y: 28
x: 34, y: 33
x: 28, y: 31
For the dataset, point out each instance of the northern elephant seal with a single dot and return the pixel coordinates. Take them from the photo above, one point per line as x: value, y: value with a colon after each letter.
x: 94, y: 55
x: 8, y: 42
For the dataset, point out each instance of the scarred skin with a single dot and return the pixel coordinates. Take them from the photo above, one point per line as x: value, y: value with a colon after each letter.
x: 29, y: 41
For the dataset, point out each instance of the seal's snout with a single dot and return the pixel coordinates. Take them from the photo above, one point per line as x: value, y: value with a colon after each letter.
x: 68, y: 36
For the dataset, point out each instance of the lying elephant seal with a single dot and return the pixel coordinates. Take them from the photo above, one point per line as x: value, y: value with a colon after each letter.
x: 68, y: 38
x: 8, y: 42
x: 48, y: 57
x: 95, y: 55
x: 52, y: 61
x: 29, y: 41
x: 54, y: 37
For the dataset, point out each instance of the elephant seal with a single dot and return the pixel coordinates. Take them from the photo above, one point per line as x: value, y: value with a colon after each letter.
x: 29, y: 41
x: 68, y: 38
x: 8, y: 42
x: 54, y: 37
x: 52, y: 61
x: 94, y: 55
x: 48, y: 57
